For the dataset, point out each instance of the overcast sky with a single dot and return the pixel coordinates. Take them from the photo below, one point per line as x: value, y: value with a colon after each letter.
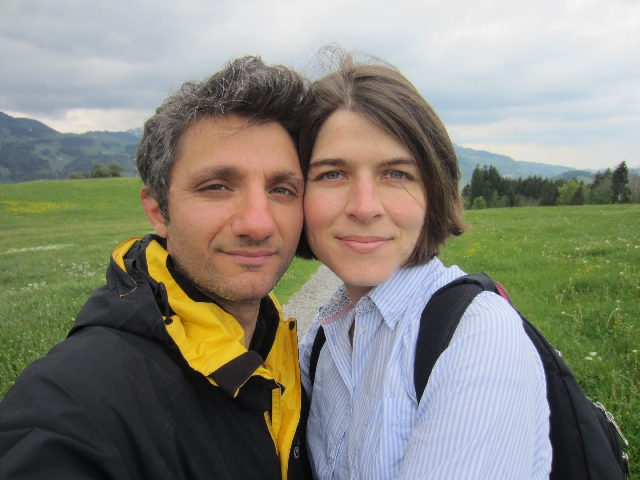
x: 551, y: 81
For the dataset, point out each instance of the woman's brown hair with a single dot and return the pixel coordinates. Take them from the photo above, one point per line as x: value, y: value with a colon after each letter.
x: 381, y: 94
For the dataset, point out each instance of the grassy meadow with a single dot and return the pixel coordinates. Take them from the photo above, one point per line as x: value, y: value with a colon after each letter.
x: 573, y: 271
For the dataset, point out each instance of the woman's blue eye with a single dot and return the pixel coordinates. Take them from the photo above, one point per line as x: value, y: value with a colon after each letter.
x: 332, y: 175
x: 397, y: 175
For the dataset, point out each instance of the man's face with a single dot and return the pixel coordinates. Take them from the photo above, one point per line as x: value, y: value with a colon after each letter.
x: 235, y: 207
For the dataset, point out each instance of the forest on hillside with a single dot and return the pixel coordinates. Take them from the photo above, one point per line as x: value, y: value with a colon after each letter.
x: 29, y: 150
x: 489, y: 189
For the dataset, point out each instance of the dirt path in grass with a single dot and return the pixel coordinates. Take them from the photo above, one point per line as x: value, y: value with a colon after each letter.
x: 304, y: 304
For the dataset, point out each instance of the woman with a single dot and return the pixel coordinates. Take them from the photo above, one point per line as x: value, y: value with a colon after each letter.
x: 381, y: 199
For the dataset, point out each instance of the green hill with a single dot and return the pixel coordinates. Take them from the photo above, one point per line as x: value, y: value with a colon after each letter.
x: 29, y: 150
x: 579, y: 175
x: 469, y: 158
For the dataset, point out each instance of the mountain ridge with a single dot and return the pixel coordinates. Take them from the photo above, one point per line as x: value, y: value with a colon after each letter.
x: 469, y: 158
x: 31, y: 150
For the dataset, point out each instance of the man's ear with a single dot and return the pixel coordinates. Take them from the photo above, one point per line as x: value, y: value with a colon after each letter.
x: 152, y: 211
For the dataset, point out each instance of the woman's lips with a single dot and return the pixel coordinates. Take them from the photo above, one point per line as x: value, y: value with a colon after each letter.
x: 363, y: 244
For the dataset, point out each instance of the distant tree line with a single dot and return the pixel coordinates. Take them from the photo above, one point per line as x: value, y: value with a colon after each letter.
x: 113, y: 169
x: 22, y: 162
x: 489, y: 189
x: 83, y: 162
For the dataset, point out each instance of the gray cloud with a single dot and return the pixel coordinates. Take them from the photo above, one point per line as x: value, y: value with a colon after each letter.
x: 541, y: 73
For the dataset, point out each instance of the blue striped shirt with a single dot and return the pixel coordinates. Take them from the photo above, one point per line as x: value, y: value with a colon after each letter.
x: 483, y: 414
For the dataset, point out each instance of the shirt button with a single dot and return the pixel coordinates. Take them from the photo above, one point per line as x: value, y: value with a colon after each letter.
x: 362, y: 330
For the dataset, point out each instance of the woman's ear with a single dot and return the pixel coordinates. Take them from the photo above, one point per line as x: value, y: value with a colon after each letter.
x: 152, y: 210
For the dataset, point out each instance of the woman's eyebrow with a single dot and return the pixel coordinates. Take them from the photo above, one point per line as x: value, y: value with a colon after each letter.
x: 339, y: 162
x: 398, y: 161
x: 329, y: 162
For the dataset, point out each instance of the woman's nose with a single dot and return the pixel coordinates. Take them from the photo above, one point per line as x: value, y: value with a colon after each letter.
x: 364, y: 200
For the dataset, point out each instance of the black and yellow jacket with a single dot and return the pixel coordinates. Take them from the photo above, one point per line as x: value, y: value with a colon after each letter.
x: 154, y: 382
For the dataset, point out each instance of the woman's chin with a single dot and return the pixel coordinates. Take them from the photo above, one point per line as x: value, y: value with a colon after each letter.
x: 362, y: 276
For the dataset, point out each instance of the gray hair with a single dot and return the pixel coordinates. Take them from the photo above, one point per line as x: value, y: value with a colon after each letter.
x: 246, y: 88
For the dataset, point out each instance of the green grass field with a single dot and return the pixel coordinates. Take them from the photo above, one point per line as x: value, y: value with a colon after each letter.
x: 573, y: 271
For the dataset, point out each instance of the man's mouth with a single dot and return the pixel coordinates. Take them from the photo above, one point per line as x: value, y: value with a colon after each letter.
x: 250, y: 256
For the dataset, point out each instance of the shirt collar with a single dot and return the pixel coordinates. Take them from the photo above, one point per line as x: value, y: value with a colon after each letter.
x: 394, y: 296
x: 391, y: 297
x: 336, y: 305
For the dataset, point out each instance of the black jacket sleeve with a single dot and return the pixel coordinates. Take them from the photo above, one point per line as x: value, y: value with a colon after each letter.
x: 83, y: 411
x: 46, y: 432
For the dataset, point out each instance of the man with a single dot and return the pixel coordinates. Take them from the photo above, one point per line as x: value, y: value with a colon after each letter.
x: 182, y: 366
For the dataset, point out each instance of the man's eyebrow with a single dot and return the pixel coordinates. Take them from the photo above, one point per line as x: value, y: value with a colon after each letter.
x: 289, y: 177
x: 214, y: 172
x: 230, y: 172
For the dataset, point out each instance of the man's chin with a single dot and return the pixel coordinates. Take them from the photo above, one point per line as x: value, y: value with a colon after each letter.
x: 242, y: 293
x: 238, y: 285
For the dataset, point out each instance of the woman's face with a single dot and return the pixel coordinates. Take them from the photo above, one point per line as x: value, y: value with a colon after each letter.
x: 364, y: 202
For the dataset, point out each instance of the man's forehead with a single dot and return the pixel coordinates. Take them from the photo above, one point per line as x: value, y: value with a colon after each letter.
x: 222, y: 125
x: 232, y: 147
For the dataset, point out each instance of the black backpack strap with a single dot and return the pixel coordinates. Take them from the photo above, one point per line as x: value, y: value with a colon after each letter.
x: 439, y: 321
x: 318, y: 342
x: 583, y: 438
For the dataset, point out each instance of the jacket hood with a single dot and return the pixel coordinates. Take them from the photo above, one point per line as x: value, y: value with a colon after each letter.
x: 143, y: 297
x: 131, y: 300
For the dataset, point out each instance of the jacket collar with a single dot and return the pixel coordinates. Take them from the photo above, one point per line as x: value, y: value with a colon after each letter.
x: 148, y: 297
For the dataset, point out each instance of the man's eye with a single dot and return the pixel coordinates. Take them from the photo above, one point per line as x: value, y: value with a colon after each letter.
x: 282, y: 191
x: 215, y: 186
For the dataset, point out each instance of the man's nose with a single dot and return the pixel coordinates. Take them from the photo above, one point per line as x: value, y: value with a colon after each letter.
x: 364, y: 201
x: 254, y: 218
